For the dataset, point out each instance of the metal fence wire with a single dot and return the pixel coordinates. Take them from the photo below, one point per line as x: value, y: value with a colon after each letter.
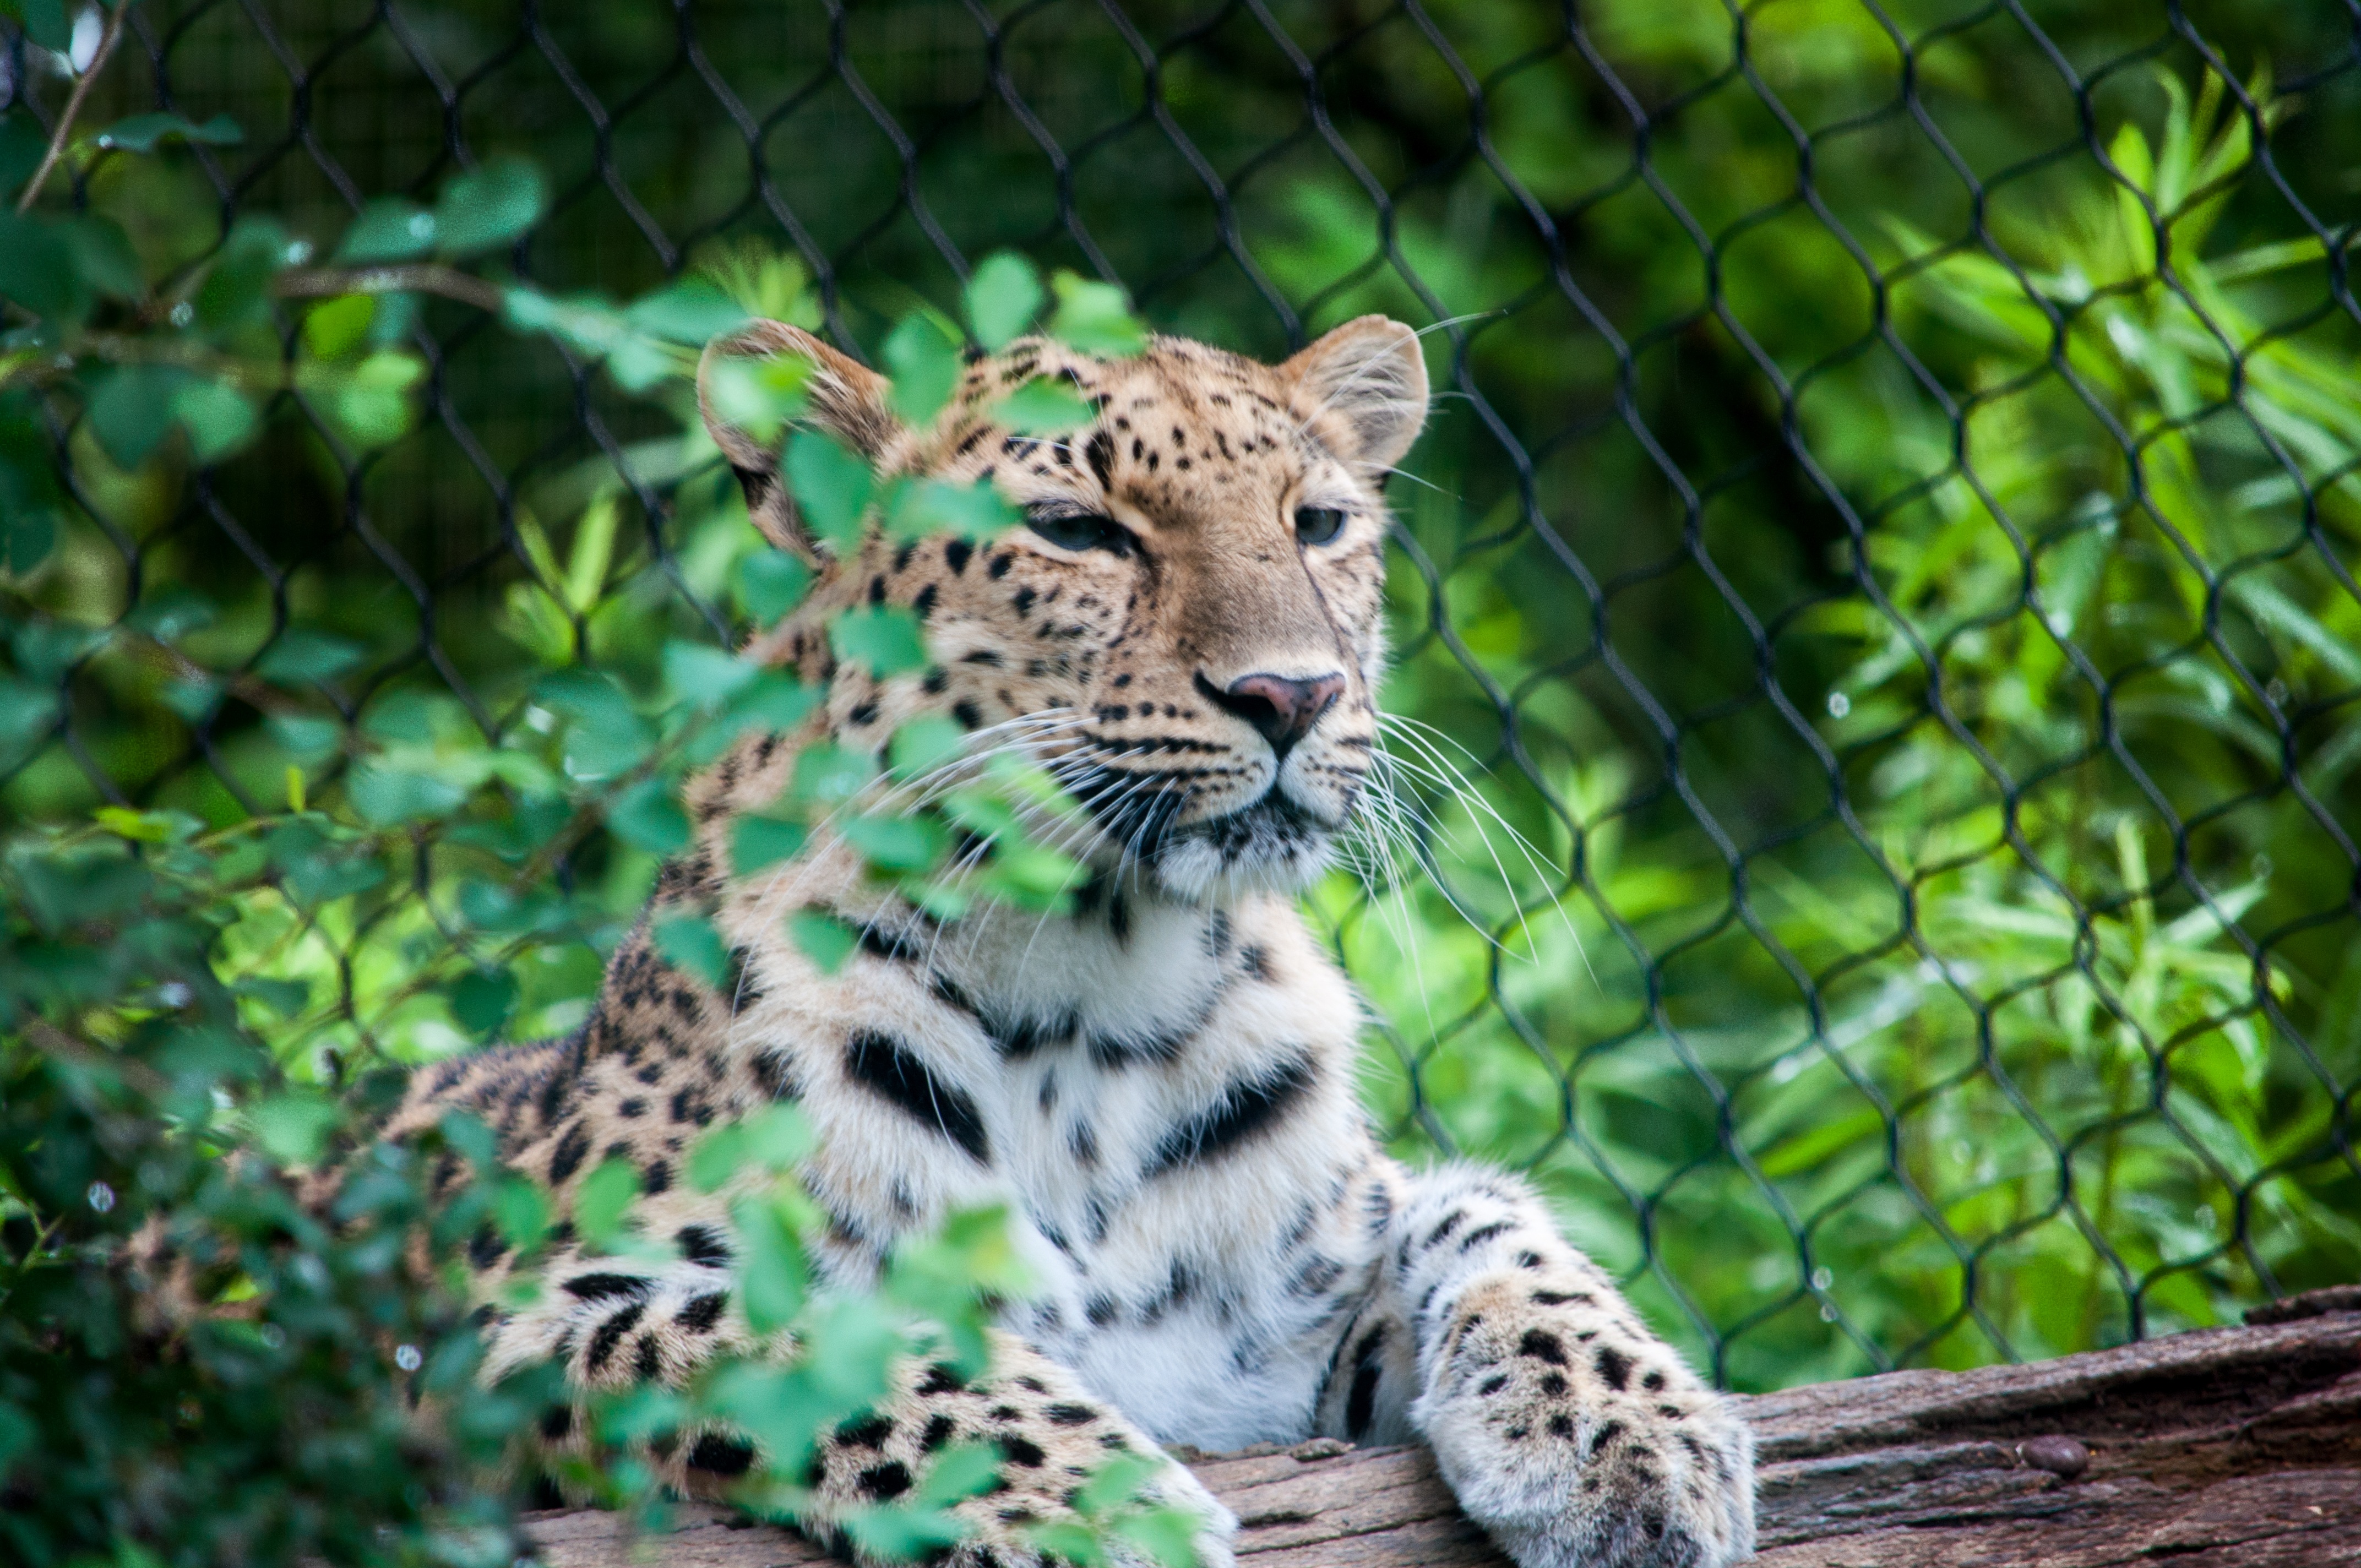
x: 1883, y: 544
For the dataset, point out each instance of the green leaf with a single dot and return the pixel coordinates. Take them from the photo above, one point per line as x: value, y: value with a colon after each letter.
x: 899, y: 844
x: 774, y: 1276
x: 237, y: 289
x: 131, y: 409
x: 27, y: 711
x: 831, y: 488
x: 974, y: 511
x: 924, y: 361
x: 757, y: 843
x: 218, y: 418
x: 693, y: 312
x: 22, y: 143
x: 143, y: 133
x: 294, y: 1128
x: 888, y: 639
x: 828, y: 774
x: 1044, y: 407
x: 1003, y: 295
x: 770, y: 583
x: 759, y: 396
x: 521, y: 1212
x: 823, y: 938
x: 690, y: 944
x: 926, y: 743
x: 482, y: 1000
x: 487, y: 207
x: 47, y: 23
x: 599, y: 1208
x: 39, y: 271
x: 371, y: 400
x: 703, y: 676
x: 384, y: 796
x: 300, y: 654
x: 104, y: 253
x: 387, y: 229
x: 1094, y: 317
x: 335, y: 327
x: 27, y: 535
x: 646, y: 817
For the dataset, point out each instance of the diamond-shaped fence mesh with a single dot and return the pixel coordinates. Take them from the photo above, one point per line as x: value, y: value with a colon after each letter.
x: 1877, y: 650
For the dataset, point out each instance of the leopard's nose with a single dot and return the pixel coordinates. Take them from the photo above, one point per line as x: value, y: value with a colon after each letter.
x: 1282, y: 708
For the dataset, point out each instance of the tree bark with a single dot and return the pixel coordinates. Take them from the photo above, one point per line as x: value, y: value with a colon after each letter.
x: 2223, y: 1448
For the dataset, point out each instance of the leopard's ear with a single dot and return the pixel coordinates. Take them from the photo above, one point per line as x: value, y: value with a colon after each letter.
x: 842, y: 395
x: 1362, y: 389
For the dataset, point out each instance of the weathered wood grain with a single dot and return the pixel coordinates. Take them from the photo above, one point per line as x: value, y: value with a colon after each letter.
x: 2226, y: 1448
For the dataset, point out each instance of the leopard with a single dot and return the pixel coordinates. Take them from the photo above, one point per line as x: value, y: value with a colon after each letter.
x: 1157, y: 1081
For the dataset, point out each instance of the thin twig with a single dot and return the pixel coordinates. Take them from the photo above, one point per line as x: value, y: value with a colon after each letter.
x: 58, y: 138
x: 425, y: 278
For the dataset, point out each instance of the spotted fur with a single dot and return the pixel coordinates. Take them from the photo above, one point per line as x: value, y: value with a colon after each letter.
x: 1160, y: 1085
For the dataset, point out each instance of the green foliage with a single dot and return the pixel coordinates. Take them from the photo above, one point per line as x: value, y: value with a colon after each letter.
x: 192, y: 1015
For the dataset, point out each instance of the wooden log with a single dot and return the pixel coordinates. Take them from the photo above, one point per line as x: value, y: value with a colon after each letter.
x: 2223, y: 1448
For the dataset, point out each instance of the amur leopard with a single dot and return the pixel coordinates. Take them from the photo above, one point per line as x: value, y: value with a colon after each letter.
x: 1160, y: 1084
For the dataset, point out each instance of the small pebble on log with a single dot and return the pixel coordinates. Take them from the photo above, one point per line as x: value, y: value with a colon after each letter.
x: 2059, y: 1456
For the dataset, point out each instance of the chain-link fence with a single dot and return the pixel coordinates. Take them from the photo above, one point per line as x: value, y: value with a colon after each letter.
x: 1878, y: 648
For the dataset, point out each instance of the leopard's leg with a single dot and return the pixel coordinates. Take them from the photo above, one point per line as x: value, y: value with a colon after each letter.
x: 611, y: 1324
x: 1568, y: 1430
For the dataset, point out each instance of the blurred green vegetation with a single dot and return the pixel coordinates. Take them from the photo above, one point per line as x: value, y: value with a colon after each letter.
x: 1877, y: 639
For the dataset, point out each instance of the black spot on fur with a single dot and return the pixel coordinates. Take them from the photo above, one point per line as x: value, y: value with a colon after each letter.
x: 868, y: 1431
x: 1554, y: 1385
x: 649, y: 1365
x: 1560, y: 1297
x: 1255, y: 961
x: 703, y: 1244
x: 1561, y: 1426
x: 890, y: 1479
x: 1069, y: 1414
x: 1605, y: 1435
x: 610, y: 1334
x: 702, y: 1312
x: 955, y: 554
x: 894, y: 1073
x: 1613, y: 1366
x: 969, y: 716
x: 1653, y: 1381
x: 1542, y: 1346
x: 599, y: 1286
x: 924, y: 604
x: 1022, y: 1451
x: 939, y: 1430
x: 1249, y: 1106
x: 941, y: 1378
x: 572, y: 1149
x: 487, y: 1247
x: 774, y: 1073
x: 1000, y: 564
x: 556, y: 1421
x: 721, y: 1455
x: 656, y: 1178
x: 1483, y: 1233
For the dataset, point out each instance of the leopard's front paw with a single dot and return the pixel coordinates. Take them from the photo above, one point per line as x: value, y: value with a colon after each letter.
x: 1647, y: 1478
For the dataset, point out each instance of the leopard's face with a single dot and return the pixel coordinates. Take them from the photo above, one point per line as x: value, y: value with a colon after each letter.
x: 1187, y: 629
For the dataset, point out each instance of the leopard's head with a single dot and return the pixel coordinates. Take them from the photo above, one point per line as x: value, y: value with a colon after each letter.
x: 1188, y: 628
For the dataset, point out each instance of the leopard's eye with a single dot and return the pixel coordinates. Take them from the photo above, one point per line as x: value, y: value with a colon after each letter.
x: 1072, y: 530
x: 1318, y: 525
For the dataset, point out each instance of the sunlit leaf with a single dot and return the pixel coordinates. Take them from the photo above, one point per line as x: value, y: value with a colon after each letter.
x: 1003, y: 295
x: 885, y: 639
x: 485, y: 208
